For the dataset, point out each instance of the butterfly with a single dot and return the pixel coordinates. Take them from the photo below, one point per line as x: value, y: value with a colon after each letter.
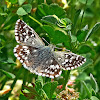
x: 40, y: 59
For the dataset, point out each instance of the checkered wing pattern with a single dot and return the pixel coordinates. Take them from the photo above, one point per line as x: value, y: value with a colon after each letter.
x: 40, y: 59
x: 26, y: 35
x: 69, y: 60
x: 36, y: 61
x: 32, y: 52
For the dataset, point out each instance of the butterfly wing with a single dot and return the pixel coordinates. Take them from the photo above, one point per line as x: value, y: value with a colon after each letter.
x: 69, y: 60
x: 38, y: 60
x: 26, y: 35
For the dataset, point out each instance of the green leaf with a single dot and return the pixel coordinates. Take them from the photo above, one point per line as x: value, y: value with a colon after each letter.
x: 38, y: 85
x: 94, y: 98
x: 10, y: 61
x: 2, y: 42
x: 87, y: 89
x: 76, y: 16
x: 22, y: 97
x: 75, y: 20
x: 21, y: 11
x: 73, y: 38
x: 43, y: 94
x: 84, y: 49
x: 82, y: 76
x: 40, y: 78
x: 49, y: 88
x: 13, y: 1
x: 89, y: 2
x: 25, y: 9
x: 52, y: 9
x: 94, y: 83
x: 21, y: 1
x: 81, y: 35
x: 2, y: 14
x: 49, y: 30
x: 56, y: 36
x: 60, y: 37
x: 64, y: 23
x: 8, y: 74
x: 93, y: 30
x: 52, y: 19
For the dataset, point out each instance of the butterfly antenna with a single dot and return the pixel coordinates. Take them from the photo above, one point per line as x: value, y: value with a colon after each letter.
x: 45, y: 41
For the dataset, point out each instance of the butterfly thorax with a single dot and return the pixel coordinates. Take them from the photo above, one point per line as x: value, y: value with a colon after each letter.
x: 51, y: 47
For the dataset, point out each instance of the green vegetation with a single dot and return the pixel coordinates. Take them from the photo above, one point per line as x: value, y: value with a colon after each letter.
x: 71, y: 24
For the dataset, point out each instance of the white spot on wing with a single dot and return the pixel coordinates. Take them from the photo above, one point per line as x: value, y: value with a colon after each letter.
x: 56, y: 75
x: 63, y: 63
x: 66, y: 60
x: 25, y: 26
x: 39, y: 74
x: 43, y: 74
x: 51, y: 66
x: 60, y: 72
x: 16, y: 30
x: 25, y: 58
x: 57, y: 66
x: 21, y: 61
x: 16, y: 55
x: 24, y: 33
x: 33, y: 42
x: 34, y: 50
x: 17, y: 38
x: 85, y: 60
x: 18, y: 58
x: 16, y: 33
x: 14, y: 50
x: 25, y: 47
x: 47, y: 75
x: 51, y: 76
x: 72, y: 67
x: 68, y: 68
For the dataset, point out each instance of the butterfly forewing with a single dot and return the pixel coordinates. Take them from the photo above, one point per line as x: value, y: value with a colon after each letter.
x: 26, y: 35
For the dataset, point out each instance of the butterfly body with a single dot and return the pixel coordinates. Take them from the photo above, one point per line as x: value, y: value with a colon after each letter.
x: 40, y: 59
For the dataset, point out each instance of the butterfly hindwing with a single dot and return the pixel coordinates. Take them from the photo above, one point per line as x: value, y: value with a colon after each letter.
x: 31, y: 59
x: 23, y: 53
x: 69, y: 60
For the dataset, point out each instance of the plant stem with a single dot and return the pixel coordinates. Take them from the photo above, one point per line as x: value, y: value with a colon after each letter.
x: 24, y: 78
x: 66, y: 77
x: 35, y: 20
x: 3, y: 83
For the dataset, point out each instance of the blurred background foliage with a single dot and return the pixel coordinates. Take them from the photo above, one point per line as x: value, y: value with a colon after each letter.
x: 70, y: 24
